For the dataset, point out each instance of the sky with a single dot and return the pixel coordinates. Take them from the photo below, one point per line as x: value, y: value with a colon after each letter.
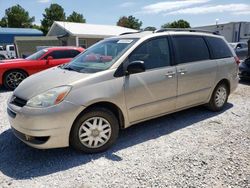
x: 150, y: 12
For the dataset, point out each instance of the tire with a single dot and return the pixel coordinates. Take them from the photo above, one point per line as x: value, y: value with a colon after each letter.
x: 2, y: 57
x: 13, y: 78
x: 94, y: 131
x: 219, y: 98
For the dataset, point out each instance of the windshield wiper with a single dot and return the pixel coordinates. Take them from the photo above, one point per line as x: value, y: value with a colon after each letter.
x: 67, y: 68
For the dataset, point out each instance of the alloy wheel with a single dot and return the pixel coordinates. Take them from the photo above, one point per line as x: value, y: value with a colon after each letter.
x: 13, y: 79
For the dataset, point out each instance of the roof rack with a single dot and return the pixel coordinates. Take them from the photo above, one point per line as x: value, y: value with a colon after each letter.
x: 127, y: 33
x: 140, y: 31
x: 184, y: 29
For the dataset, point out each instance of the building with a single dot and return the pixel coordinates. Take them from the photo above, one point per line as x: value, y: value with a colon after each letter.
x: 7, y: 35
x: 67, y: 34
x: 26, y: 46
x: 233, y: 31
x: 82, y: 34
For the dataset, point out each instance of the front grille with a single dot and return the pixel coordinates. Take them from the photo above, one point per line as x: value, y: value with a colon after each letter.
x: 18, y: 101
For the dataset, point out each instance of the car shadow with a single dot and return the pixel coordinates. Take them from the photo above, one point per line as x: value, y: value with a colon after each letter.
x: 3, y: 90
x: 19, y: 161
x: 244, y: 82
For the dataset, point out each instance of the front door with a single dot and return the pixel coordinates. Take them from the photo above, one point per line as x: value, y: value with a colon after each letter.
x: 153, y: 92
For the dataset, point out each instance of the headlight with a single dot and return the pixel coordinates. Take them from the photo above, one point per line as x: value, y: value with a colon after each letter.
x: 49, y: 98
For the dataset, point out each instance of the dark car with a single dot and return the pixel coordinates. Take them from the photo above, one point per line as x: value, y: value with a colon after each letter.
x: 244, y: 69
x: 241, y: 49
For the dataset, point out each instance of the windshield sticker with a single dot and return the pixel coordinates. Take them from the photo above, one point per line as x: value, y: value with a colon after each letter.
x: 125, y: 41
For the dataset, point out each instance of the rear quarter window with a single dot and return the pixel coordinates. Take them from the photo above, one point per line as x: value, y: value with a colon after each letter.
x: 190, y: 48
x: 219, y: 48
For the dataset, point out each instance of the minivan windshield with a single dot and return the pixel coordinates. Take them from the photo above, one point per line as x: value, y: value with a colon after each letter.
x: 100, y: 56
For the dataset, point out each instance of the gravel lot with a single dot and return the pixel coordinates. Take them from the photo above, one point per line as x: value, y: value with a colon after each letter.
x: 192, y: 148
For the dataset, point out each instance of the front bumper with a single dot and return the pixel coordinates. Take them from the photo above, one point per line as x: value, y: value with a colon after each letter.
x: 43, y: 128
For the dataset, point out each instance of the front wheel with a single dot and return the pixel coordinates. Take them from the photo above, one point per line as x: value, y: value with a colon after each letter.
x: 94, y: 131
x: 13, y: 78
x: 219, y: 98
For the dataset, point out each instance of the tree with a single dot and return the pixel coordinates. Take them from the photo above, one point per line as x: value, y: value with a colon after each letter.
x: 177, y: 24
x: 17, y: 16
x: 149, y: 28
x: 36, y: 27
x: 129, y: 22
x: 54, y: 13
x: 76, y: 17
x: 4, y: 22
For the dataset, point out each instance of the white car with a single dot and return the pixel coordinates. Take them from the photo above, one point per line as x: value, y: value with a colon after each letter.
x: 7, y: 52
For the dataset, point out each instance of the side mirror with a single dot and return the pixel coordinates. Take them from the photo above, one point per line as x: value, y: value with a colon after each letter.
x: 49, y: 58
x: 135, y: 67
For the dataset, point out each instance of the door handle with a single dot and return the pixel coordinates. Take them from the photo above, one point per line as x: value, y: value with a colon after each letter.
x: 182, y: 71
x: 170, y: 74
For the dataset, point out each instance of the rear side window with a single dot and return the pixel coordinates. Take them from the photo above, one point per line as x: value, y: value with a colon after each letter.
x: 155, y: 53
x: 73, y: 53
x: 190, y: 49
x: 219, y: 48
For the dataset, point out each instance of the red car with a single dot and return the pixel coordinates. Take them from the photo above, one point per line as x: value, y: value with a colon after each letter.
x: 14, y: 71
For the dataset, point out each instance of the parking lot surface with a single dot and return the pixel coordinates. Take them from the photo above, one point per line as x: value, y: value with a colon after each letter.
x: 191, y: 148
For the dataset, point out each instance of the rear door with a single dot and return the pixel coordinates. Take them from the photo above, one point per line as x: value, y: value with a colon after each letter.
x: 152, y: 92
x: 196, y: 73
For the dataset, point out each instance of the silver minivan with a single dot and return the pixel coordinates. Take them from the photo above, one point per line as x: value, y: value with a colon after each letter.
x: 119, y: 82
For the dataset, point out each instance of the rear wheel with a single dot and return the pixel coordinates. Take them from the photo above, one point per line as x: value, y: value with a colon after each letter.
x: 13, y: 78
x: 219, y: 97
x: 95, y: 131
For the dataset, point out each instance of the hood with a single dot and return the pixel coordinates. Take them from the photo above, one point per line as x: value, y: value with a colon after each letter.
x: 45, y: 80
x: 12, y: 60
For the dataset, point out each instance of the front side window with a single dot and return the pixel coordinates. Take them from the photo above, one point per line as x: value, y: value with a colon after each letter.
x: 243, y: 45
x: 190, y: 49
x: 154, y: 53
x: 100, y: 56
x: 58, y: 54
x: 12, y: 48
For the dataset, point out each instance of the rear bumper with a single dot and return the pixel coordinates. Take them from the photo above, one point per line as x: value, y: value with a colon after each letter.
x: 234, y: 84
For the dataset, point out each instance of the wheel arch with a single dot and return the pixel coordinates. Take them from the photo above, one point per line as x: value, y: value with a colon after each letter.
x: 10, y: 70
x: 15, y: 69
x: 226, y: 82
x: 110, y: 106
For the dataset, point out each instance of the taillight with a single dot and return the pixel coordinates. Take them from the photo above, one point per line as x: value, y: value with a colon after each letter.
x: 237, y: 60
